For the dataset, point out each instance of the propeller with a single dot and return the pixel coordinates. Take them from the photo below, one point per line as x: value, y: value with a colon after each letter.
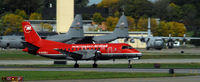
x: 142, y: 39
x: 132, y: 41
x: 126, y: 39
x: 184, y: 39
x: 170, y: 42
x: 1, y: 38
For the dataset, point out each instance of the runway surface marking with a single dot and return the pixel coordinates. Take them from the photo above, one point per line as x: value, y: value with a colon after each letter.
x: 101, y: 69
x: 161, y: 79
x: 117, y: 61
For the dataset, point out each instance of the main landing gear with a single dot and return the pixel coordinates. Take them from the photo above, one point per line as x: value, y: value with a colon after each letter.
x: 95, y: 64
x: 129, y: 63
x: 76, y: 65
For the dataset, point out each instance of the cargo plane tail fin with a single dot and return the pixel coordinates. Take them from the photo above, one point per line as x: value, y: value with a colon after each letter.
x: 121, y: 29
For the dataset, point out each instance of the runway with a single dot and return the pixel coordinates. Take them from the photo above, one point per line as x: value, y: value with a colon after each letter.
x: 117, y: 61
x: 161, y: 79
x: 122, y: 61
x: 97, y: 69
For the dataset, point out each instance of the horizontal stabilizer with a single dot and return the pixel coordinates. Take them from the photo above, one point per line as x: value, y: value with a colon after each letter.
x: 30, y: 46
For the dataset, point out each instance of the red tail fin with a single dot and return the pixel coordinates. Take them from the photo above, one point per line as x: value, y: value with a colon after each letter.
x: 29, y: 33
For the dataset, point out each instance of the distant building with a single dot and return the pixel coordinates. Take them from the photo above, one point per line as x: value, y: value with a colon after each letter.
x: 63, y: 11
x: 49, y: 12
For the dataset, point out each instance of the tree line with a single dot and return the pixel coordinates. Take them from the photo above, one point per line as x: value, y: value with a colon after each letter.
x: 167, y: 16
x: 13, y: 12
x: 175, y: 16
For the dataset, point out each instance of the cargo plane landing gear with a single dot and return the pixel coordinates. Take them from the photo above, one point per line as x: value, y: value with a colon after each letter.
x: 129, y: 63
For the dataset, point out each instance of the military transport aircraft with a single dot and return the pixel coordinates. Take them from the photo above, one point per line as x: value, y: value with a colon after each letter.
x: 14, y: 40
x: 75, y: 31
x: 57, y: 50
x: 74, y: 35
x: 121, y: 31
x: 157, y: 42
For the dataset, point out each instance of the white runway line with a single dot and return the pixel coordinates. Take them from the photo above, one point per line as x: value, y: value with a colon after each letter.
x: 117, y: 61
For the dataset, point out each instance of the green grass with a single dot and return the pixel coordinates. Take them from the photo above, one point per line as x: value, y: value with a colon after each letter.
x: 64, y: 75
x: 17, y: 55
x: 142, y: 65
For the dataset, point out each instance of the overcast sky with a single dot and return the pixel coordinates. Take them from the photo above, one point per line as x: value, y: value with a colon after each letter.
x: 97, y: 1
x: 94, y: 2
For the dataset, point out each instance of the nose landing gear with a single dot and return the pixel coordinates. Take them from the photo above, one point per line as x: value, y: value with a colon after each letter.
x: 76, y: 65
x: 95, y: 65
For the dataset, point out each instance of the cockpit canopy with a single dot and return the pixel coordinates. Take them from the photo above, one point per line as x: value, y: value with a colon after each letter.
x: 127, y: 47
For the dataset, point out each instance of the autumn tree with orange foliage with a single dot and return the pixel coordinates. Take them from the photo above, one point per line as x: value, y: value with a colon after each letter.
x: 11, y: 23
x: 173, y: 28
x: 131, y: 23
x: 112, y: 5
x: 111, y: 23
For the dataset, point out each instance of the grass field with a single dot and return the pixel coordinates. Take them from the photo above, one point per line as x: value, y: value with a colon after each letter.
x: 19, y: 55
x: 141, y: 65
x: 64, y: 75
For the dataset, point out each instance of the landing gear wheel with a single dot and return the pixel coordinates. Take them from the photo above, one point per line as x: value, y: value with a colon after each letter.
x: 95, y: 65
x: 76, y: 65
x: 129, y: 66
x: 147, y: 48
x: 129, y: 63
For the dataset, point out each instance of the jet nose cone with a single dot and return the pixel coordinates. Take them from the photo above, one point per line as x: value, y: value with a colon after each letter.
x: 135, y: 53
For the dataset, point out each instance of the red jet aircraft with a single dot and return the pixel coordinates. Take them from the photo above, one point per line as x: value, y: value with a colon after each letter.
x: 56, y: 50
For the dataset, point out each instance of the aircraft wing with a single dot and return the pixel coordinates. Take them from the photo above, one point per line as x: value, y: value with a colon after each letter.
x: 137, y: 37
x: 79, y: 55
x: 144, y: 39
x: 188, y: 38
x: 83, y: 40
x: 141, y: 38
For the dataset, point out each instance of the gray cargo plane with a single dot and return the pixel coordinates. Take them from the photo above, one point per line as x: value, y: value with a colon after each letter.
x: 73, y: 36
x: 75, y: 31
x: 159, y: 42
x: 11, y: 41
x: 121, y: 31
